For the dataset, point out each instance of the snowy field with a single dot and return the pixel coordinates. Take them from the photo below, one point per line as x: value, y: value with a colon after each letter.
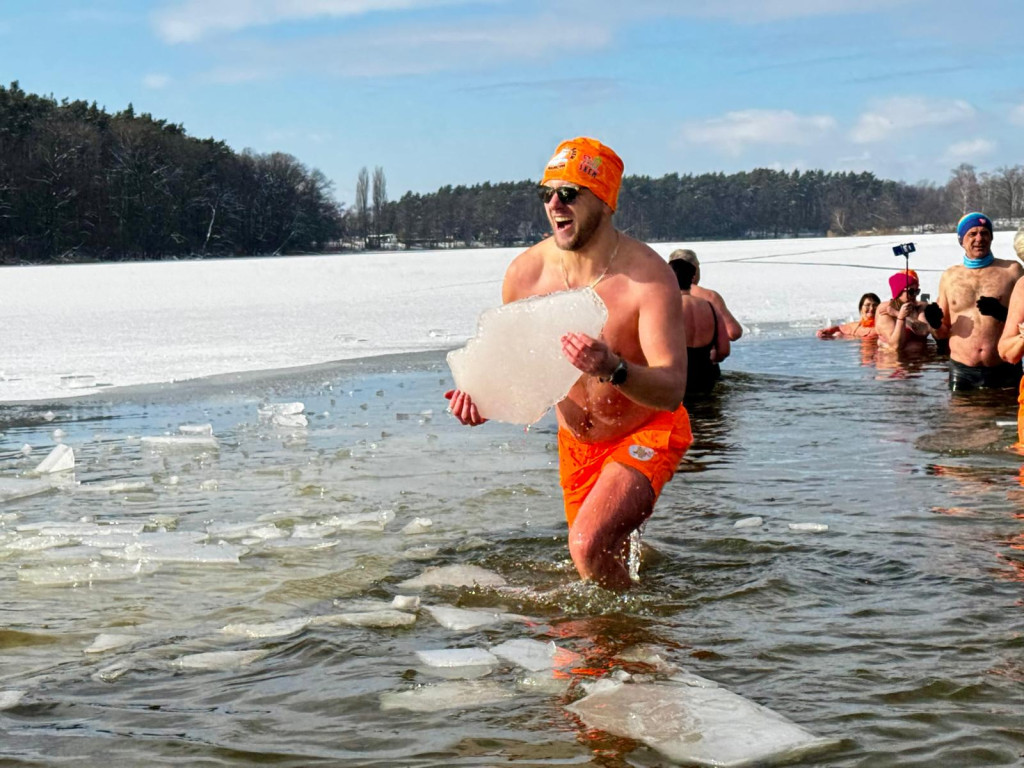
x: 75, y: 330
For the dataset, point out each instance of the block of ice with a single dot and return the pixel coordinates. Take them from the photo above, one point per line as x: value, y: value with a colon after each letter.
x: 110, y: 641
x: 383, y: 619
x: 449, y: 695
x: 73, y: 575
x: 16, y: 487
x: 748, y: 522
x: 406, y: 602
x: 808, y: 527
x: 528, y: 654
x: 284, y: 414
x: 460, y: 619
x: 60, y: 459
x: 219, y: 659
x: 180, y: 442
x: 454, y: 576
x: 282, y: 628
x: 9, y: 699
x: 514, y: 368
x: 417, y: 526
x: 457, y: 657
x: 692, y: 725
x: 196, y: 429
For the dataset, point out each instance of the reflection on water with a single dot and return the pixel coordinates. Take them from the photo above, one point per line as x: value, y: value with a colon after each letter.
x: 896, y: 631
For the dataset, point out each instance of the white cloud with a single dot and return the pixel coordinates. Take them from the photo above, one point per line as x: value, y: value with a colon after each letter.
x: 901, y: 114
x: 192, y: 20
x: 969, y: 151
x: 410, y: 50
x: 735, y: 131
x: 156, y: 81
x: 1017, y: 115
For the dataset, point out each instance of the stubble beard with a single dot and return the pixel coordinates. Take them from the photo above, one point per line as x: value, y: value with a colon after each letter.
x: 584, y: 228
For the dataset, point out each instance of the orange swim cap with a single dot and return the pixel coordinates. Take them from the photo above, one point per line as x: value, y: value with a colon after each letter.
x: 588, y: 163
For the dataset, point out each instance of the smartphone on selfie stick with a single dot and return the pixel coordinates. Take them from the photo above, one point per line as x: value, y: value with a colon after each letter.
x: 904, y: 250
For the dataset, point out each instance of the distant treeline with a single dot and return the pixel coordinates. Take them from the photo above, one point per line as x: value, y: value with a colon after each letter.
x: 79, y: 183
x: 716, y: 206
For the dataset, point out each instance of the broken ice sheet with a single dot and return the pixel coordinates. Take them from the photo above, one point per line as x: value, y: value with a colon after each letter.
x: 457, y: 657
x: 60, y: 459
x: 448, y: 695
x: 460, y: 619
x: 213, y: 660
x: 454, y: 576
x: 693, y: 725
x: 514, y: 368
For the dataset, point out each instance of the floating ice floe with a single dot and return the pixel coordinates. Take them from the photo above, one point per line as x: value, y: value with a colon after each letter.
x: 196, y: 429
x: 12, y: 488
x: 454, y: 576
x: 387, y: 618
x: 808, y: 527
x: 450, y: 658
x: 534, y: 655
x: 213, y: 660
x: 514, y: 367
x: 695, y: 724
x: 9, y: 699
x: 83, y: 574
x: 406, y: 602
x: 197, y: 553
x: 60, y: 459
x: 180, y: 442
x: 749, y: 522
x: 283, y: 628
x: 110, y: 641
x: 460, y: 619
x: 284, y: 414
x: 417, y: 526
x: 117, y: 486
x: 448, y: 695
x: 426, y: 552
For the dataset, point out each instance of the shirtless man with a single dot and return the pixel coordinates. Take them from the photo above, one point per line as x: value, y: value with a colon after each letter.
x: 621, y: 429
x: 900, y: 323
x: 972, y: 309
x: 732, y: 326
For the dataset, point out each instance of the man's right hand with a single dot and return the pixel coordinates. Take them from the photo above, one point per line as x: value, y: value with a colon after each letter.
x: 933, y: 314
x: 462, y: 408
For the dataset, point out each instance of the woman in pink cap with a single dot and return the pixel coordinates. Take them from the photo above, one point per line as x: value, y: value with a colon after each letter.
x: 900, y: 323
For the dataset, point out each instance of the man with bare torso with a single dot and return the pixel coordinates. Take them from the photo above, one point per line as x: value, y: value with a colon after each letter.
x: 621, y: 429
x: 972, y: 310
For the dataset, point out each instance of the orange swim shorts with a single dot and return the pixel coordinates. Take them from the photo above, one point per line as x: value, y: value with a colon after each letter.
x: 654, y: 450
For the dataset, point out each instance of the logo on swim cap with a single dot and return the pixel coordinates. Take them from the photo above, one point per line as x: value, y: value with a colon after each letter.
x: 641, y: 452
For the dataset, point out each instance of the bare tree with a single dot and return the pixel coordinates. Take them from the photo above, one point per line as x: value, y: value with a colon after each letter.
x: 363, y: 203
x: 964, y: 189
x: 380, y: 201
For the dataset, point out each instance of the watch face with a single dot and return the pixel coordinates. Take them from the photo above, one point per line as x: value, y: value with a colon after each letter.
x: 619, y: 374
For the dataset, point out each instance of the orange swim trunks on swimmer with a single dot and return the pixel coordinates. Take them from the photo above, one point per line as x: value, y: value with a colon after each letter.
x: 654, y: 450
x: 588, y: 163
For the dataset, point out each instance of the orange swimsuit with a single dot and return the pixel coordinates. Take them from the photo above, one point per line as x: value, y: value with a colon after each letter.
x: 654, y: 450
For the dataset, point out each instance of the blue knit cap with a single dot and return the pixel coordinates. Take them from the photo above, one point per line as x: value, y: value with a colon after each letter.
x: 970, y: 221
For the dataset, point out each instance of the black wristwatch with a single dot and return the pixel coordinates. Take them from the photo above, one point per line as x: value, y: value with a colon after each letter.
x: 618, y: 377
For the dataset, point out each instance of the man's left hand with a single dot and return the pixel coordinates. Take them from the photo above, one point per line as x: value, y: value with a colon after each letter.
x: 590, y: 355
x: 989, y: 305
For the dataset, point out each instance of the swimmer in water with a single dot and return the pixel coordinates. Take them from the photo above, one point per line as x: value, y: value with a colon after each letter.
x: 864, y: 328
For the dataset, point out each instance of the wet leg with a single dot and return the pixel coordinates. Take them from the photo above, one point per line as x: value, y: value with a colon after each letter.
x: 620, y: 501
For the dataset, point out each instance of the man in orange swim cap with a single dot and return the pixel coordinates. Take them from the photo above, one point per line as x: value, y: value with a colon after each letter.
x: 621, y: 429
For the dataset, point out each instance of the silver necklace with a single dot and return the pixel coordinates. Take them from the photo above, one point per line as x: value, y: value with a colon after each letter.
x: 615, y: 252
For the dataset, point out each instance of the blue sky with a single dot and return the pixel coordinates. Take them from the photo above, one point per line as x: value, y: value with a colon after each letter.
x: 464, y: 91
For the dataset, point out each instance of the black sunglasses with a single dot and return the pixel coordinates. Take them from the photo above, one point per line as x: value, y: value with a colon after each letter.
x: 566, y: 194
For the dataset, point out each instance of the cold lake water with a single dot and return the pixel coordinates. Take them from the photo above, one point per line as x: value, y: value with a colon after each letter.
x: 223, y: 595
